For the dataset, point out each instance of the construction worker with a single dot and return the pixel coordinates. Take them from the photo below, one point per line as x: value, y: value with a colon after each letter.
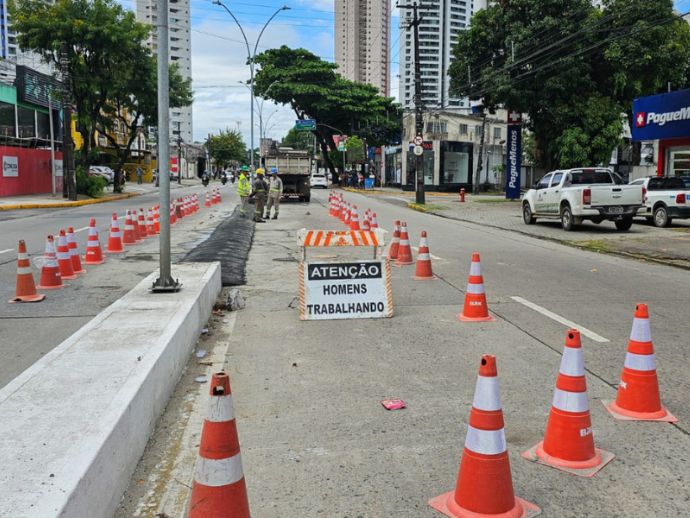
x: 244, y: 190
x: 259, y: 191
x: 275, y: 191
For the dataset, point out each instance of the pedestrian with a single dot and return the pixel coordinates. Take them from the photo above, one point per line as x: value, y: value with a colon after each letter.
x: 243, y: 191
x: 275, y: 191
x: 140, y: 175
x: 259, y: 191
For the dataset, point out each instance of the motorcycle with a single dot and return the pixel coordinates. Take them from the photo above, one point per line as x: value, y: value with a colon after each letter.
x: 224, y: 179
x: 204, y: 180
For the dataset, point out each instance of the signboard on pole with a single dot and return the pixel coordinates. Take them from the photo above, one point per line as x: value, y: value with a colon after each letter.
x: 357, y: 289
x: 662, y: 116
x: 514, y: 155
x: 305, y: 125
x: 173, y: 164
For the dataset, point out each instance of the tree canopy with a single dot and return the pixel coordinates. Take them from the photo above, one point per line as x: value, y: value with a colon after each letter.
x: 227, y: 147
x: 573, y: 68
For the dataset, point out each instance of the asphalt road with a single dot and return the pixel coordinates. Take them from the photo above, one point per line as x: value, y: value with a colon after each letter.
x: 27, y: 331
x: 315, y: 440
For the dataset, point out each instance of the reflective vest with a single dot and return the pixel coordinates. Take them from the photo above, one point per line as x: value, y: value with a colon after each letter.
x: 276, y: 185
x: 243, y: 188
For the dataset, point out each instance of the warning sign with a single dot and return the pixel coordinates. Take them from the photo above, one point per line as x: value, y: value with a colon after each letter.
x: 359, y: 289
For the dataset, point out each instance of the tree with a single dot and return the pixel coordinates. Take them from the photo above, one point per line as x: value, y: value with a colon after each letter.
x: 314, y: 90
x: 355, y: 150
x: 227, y: 147
x: 572, y: 67
x: 298, y: 140
x: 102, y: 41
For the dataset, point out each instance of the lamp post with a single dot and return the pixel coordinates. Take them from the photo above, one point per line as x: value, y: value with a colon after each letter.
x: 250, y: 57
x: 260, y: 107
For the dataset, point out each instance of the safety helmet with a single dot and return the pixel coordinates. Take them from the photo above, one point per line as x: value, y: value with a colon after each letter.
x: 259, y: 171
x: 274, y: 170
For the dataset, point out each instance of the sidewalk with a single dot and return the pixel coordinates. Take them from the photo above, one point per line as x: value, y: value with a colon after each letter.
x: 669, y: 246
x: 48, y: 201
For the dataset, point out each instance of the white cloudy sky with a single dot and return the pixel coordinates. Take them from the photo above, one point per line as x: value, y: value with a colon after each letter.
x: 219, y: 58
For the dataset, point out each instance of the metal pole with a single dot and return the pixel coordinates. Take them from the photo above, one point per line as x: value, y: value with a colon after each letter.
x: 165, y: 282
x: 70, y: 186
x: 179, y: 153
x: 52, y: 143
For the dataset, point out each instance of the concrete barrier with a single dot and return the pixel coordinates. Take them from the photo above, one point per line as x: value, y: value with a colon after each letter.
x: 74, y: 425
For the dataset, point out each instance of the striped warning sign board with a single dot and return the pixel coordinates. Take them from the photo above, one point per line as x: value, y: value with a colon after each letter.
x: 318, y: 238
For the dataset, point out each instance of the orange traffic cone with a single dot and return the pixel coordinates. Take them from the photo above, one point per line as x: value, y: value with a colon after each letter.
x: 63, y: 258
x: 135, y: 226
x: 73, y: 248
x: 638, y: 391
x: 50, y: 273
x: 395, y: 242
x: 157, y: 219
x: 475, y: 309
x: 141, y: 225
x: 374, y: 224
x: 484, y: 487
x: 115, y: 237
x: 366, y: 225
x: 423, y: 270
x: 207, y: 201
x: 94, y: 254
x: 150, y: 229
x: 128, y: 237
x: 404, y: 248
x: 179, y: 212
x: 173, y: 216
x: 348, y: 215
x: 26, y: 288
x: 568, y: 443
x: 219, y: 489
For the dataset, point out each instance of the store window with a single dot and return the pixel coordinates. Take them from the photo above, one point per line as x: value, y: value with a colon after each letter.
x: 456, y: 163
x: 680, y: 163
x: 7, y: 120
x: 27, y: 122
x: 427, y: 167
x: 43, y: 128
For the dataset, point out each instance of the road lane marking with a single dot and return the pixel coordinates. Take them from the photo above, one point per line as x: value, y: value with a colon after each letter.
x: 8, y: 250
x: 568, y: 323
x: 81, y: 229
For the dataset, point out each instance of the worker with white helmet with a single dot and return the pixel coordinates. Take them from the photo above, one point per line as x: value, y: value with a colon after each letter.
x: 275, y: 191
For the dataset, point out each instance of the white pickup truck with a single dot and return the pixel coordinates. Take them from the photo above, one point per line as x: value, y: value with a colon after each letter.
x: 586, y: 193
x: 664, y: 199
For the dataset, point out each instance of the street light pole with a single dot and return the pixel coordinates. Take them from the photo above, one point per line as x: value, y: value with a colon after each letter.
x: 250, y: 57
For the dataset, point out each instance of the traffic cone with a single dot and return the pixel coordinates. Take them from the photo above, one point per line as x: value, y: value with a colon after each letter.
x: 207, y: 201
x: 484, y: 487
x: 94, y: 254
x: 150, y: 229
x: 26, y: 288
x: 348, y: 216
x: 638, y: 391
x: 423, y: 270
x: 568, y: 442
x: 354, y: 219
x: 343, y: 210
x: 179, y: 213
x: 404, y: 249
x: 141, y: 226
x: 73, y: 248
x: 63, y: 258
x: 115, y: 237
x: 128, y: 237
x: 173, y: 216
x: 475, y: 309
x: 50, y: 273
x: 135, y: 227
x: 157, y: 219
x: 373, y: 224
x: 395, y: 242
x: 219, y: 489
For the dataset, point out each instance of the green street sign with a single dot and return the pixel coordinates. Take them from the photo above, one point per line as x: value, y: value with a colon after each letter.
x: 305, y: 125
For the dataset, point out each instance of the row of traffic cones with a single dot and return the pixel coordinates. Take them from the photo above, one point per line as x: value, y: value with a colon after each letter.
x: 349, y: 215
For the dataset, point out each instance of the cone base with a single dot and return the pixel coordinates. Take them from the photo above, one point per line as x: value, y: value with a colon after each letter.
x: 662, y: 416
x: 115, y: 251
x: 67, y: 277
x: 464, y: 318
x: 522, y: 509
x: 86, y: 261
x: 432, y: 278
x: 28, y: 298
x: 39, y: 287
x: 79, y: 272
x: 402, y: 263
x: 586, y: 469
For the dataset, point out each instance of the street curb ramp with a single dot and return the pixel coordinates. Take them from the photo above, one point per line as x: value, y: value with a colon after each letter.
x: 75, y: 424
x: 229, y: 244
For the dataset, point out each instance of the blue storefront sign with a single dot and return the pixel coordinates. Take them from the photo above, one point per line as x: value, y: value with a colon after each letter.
x: 662, y: 116
x: 514, y: 155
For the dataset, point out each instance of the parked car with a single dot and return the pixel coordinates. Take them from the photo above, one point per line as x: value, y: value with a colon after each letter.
x: 664, y: 199
x: 102, y: 171
x: 587, y: 193
x: 320, y: 180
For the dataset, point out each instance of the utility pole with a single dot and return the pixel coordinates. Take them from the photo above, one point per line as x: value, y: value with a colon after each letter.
x: 475, y: 186
x: 69, y: 189
x: 179, y: 153
x: 418, y: 105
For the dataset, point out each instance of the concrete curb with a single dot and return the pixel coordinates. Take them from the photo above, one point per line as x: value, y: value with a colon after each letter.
x: 76, y: 423
x: 62, y: 204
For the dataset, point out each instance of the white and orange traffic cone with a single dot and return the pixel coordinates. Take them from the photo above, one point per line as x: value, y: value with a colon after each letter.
x: 63, y: 258
x: 157, y: 219
x: 366, y: 225
x: 638, y: 396
x: 128, y: 237
x: 348, y: 216
x: 94, y: 254
x: 475, y: 308
x: 50, y: 272
x: 74, y: 252
x: 395, y: 242
x: 374, y: 224
x: 135, y: 227
x: 568, y: 442
x: 26, y: 288
x: 219, y: 489
x: 423, y: 271
x: 485, y: 486
x: 141, y: 225
x: 115, y: 237
x: 150, y: 229
x: 173, y: 216
x: 207, y: 201
x: 404, y: 249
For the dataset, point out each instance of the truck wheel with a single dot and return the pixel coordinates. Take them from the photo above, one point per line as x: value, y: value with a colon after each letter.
x: 661, y: 218
x: 624, y: 224
x: 567, y: 218
x: 527, y: 215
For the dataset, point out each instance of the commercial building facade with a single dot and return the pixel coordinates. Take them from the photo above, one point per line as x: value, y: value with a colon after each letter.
x: 362, y: 41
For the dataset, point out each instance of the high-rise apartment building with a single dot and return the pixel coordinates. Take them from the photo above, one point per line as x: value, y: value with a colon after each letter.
x: 10, y: 51
x: 180, y: 53
x: 362, y: 41
x: 442, y: 21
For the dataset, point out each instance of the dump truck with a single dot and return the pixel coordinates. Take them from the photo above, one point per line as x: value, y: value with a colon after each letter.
x: 294, y: 169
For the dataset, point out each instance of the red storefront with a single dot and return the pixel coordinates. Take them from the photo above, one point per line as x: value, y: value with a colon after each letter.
x: 28, y: 171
